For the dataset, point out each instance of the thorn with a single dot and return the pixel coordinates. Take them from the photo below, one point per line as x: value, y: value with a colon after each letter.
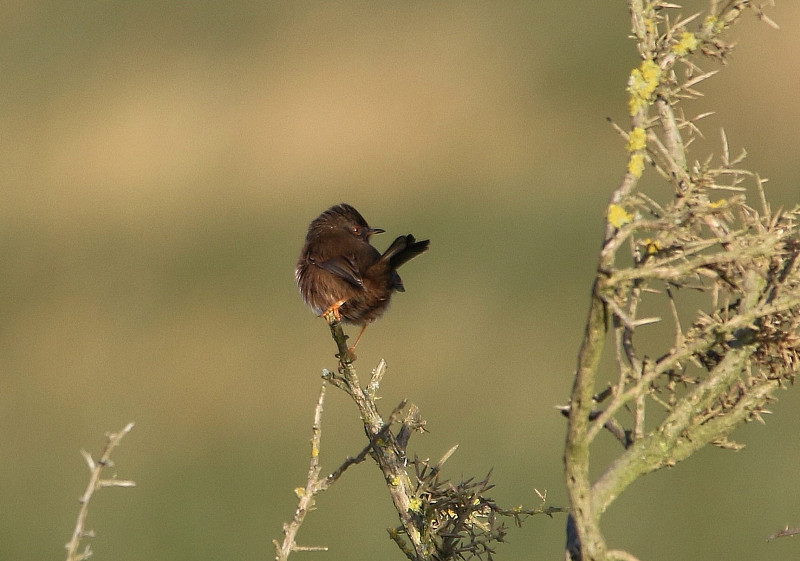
x: 89, y: 460
x: 446, y: 456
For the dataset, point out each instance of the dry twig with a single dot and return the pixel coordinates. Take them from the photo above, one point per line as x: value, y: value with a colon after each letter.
x: 95, y: 482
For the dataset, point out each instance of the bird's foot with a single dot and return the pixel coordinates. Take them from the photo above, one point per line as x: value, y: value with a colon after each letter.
x: 332, y: 314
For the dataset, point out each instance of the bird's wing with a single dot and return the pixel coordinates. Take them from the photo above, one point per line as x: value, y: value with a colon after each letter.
x: 342, y: 266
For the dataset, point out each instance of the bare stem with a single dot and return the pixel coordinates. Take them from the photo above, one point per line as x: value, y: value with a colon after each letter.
x: 95, y: 483
x: 307, y: 494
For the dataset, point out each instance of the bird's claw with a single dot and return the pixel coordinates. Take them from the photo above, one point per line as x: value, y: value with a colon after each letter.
x: 332, y: 314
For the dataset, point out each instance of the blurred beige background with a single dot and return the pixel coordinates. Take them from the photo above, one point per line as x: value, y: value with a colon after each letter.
x: 160, y: 164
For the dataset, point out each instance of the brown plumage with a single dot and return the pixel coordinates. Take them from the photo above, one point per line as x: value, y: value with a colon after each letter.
x: 338, y: 270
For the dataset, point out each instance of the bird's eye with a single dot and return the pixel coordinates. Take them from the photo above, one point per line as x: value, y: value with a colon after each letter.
x: 356, y: 230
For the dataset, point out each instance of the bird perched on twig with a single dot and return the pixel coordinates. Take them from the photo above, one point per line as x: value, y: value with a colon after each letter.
x: 340, y: 273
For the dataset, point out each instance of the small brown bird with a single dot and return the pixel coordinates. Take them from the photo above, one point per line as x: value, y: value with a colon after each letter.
x: 339, y: 271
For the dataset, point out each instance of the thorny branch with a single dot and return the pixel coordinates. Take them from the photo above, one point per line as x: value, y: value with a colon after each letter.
x: 95, y: 482
x: 723, y: 367
x: 439, y: 520
x: 786, y: 532
x: 306, y: 495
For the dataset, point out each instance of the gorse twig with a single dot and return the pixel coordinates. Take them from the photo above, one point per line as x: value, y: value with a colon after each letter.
x: 741, y: 345
x: 439, y: 520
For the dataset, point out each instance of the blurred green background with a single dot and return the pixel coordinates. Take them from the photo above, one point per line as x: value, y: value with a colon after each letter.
x: 160, y: 164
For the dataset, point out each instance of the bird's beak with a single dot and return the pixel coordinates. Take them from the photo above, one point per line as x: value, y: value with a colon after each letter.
x: 376, y: 231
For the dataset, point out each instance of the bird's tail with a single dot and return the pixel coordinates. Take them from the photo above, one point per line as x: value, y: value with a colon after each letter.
x: 403, y: 249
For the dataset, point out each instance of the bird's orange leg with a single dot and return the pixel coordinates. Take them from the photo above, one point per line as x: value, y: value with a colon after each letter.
x: 360, y: 333
x: 332, y: 314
